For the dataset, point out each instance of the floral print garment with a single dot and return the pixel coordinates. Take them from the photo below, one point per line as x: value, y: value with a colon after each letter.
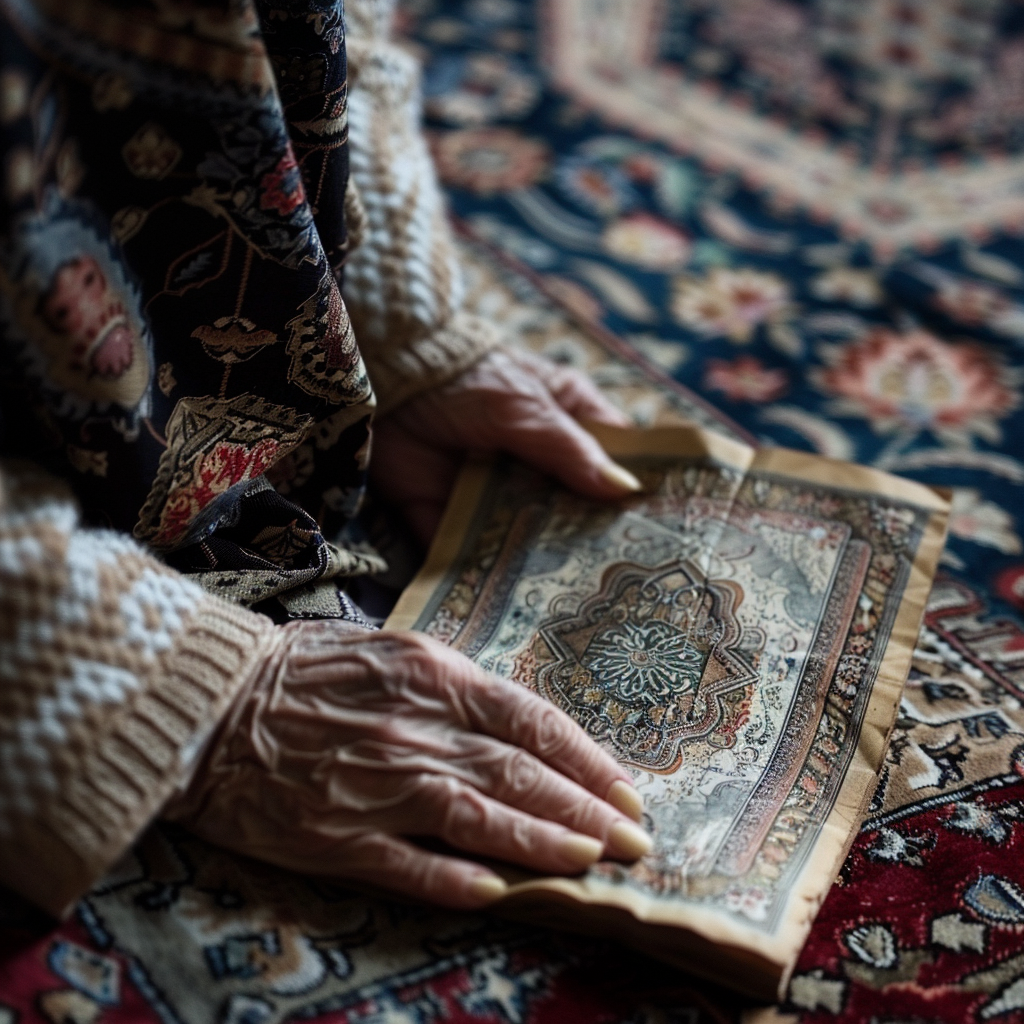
x: 174, y: 340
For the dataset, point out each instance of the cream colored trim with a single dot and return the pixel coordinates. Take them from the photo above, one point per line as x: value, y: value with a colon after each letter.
x: 672, y: 929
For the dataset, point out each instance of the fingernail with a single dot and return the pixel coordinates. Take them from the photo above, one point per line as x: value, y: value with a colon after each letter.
x: 487, y: 888
x: 628, y: 841
x: 581, y: 851
x: 623, y: 797
x: 620, y: 477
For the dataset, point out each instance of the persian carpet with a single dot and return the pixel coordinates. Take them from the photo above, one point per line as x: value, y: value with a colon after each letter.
x: 811, y: 214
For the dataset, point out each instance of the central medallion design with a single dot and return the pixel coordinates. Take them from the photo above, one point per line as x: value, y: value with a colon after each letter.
x: 645, y: 663
x: 655, y: 659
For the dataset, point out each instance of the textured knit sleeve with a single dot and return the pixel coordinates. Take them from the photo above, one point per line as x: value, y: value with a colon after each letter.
x: 113, y: 671
x: 403, y: 283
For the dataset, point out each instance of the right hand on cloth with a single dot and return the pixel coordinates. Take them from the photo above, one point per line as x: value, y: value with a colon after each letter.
x: 347, y: 742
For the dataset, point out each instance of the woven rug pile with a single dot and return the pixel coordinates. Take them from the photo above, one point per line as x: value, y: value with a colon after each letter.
x: 799, y: 222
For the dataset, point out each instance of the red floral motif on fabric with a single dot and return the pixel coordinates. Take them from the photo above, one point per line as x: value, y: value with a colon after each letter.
x: 282, y: 189
x: 213, y: 473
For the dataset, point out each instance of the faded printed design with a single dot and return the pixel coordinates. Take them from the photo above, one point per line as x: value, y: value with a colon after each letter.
x: 74, y: 319
x: 652, y: 661
x: 719, y: 633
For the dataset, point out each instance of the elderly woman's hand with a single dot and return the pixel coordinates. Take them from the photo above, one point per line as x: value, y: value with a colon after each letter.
x: 348, y: 743
x: 509, y: 401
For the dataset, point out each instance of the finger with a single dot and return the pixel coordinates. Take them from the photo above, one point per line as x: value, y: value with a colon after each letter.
x: 489, y: 706
x: 516, y: 778
x: 472, y: 821
x: 549, y: 438
x: 513, y: 714
x: 577, y: 392
x: 580, y: 398
x: 395, y: 864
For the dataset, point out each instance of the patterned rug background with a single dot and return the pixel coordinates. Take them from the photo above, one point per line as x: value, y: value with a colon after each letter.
x: 809, y: 212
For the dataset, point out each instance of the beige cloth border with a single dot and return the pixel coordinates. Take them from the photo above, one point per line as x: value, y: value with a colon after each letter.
x: 695, y: 939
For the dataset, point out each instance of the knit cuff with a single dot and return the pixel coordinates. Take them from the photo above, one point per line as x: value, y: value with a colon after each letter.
x: 148, y: 746
x: 398, y: 374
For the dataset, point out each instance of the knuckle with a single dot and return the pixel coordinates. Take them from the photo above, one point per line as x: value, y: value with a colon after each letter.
x: 589, y: 816
x: 372, y: 850
x: 522, y: 774
x: 493, y: 700
x: 523, y: 836
x: 413, y: 642
x: 548, y: 730
x: 432, y: 876
x: 391, y: 733
x: 439, y: 793
x: 432, y: 787
x: 430, y: 659
x: 408, y: 660
x: 455, y: 810
x: 467, y: 815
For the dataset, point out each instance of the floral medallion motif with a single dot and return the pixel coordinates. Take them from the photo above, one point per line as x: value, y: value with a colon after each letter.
x: 596, y: 186
x: 745, y: 379
x: 646, y: 662
x: 916, y: 381
x: 488, y: 160
x: 654, y: 659
x: 730, y: 302
x: 647, y: 242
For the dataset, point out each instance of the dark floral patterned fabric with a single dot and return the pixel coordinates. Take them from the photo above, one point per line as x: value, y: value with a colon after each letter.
x: 174, y: 339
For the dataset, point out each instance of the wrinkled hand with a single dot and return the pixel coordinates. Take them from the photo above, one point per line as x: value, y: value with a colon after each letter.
x: 348, y: 742
x: 509, y: 401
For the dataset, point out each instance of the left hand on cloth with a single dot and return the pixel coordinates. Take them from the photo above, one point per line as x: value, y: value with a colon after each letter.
x: 510, y: 401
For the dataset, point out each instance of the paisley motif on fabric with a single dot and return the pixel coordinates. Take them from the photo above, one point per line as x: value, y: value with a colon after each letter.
x: 72, y: 316
x: 324, y: 359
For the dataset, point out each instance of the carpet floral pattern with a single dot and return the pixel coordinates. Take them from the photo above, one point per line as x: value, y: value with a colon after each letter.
x: 798, y: 221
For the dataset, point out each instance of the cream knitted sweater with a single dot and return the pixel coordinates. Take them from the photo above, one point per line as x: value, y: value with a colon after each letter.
x: 113, y: 668
x: 403, y: 283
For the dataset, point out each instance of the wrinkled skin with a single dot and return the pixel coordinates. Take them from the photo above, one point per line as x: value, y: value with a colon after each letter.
x: 508, y: 401
x: 348, y: 742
